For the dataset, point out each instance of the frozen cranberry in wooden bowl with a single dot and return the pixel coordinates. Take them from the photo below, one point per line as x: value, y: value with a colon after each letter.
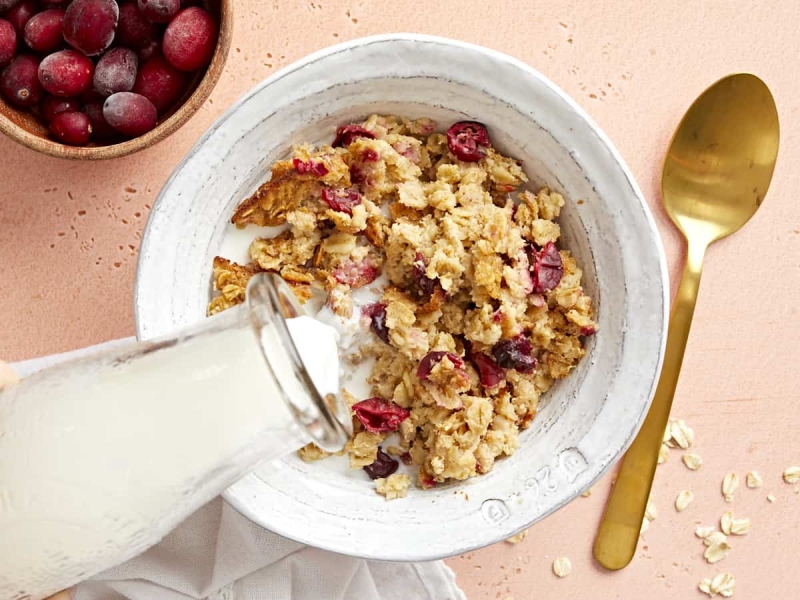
x: 488, y: 102
x: 116, y: 39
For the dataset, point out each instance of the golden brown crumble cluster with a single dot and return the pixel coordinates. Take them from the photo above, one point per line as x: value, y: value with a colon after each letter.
x: 482, y: 311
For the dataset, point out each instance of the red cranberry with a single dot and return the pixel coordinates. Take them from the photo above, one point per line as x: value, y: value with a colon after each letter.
x: 21, y: 14
x: 66, y: 73
x: 548, y: 268
x: 133, y: 30
x: 130, y: 114
x: 515, y: 354
x: 369, y: 155
x: 8, y: 43
x: 490, y: 374
x: 71, y: 127
x: 347, y: 133
x: 43, y: 31
x: 89, y: 25
x: 51, y: 106
x: 380, y: 416
x: 101, y: 130
x: 161, y: 83
x: 377, y: 314
x: 159, y: 11
x: 54, y: 3
x: 383, y: 466
x: 116, y: 71
x: 425, y: 285
x: 342, y: 199
x: 588, y: 331
x: 431, y: 358
x: 190, y: 39
x: 356, y: 274
x: 468, y: 141
x: 20, y: 81
x: 316, y: 168
x: 150, y: 50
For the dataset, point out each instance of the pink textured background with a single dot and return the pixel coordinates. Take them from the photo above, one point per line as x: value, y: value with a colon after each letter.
x: 69, y: 235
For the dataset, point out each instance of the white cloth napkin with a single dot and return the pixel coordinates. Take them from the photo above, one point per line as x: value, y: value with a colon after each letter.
x: 217, y: 554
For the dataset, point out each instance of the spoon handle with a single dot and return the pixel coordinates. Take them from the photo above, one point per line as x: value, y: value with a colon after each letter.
x: 618, y: 534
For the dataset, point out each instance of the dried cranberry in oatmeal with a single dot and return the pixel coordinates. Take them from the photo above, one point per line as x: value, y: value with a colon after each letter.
x: 468, y: 141
x: 383, y: 466
x: 377, y: 316
x: 473, y: 269
x: 316, y: 168
x: 431, y: 358
x: 548, y: 268
x: 347, y: 133
x: 515, y: 353
x: 342, y: 199
x: 425, y: 285
x: 379, y: 416
x: 491, y: 375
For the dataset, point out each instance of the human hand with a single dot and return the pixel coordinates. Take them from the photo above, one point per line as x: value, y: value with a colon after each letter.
x: 7, y: 376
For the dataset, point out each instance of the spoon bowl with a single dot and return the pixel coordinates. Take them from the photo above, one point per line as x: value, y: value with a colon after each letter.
x: 716, y: 174
x: 721, y: 159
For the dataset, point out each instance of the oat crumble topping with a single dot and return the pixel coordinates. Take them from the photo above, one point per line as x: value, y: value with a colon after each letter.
x: 483, y: 309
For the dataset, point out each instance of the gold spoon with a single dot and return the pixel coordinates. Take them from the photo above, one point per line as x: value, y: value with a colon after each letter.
x: 716, y: 174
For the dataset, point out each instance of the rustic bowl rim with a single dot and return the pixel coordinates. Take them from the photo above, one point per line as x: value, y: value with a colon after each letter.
x: 161, y: 131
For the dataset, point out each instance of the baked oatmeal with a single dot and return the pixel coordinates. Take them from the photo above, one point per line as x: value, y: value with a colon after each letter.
x: 481, y: 311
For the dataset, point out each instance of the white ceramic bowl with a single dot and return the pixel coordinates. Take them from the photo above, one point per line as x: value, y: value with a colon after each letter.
x: 586, y: 421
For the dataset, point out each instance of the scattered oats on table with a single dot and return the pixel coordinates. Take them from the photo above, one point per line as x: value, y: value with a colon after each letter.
x: 716, y: 552
x: 725, y: 522
x: 562, y: 566
x: 723, y: 584
x: 683, y: 500
x: 645, y: 525
x: 703, y: 532
x: 650, y: 511
x: 516, y: 539
x: 682, y: 434
x: 791, y: 475
x: 715, y: 537
x: 729, y: 484
x: 484, y: 308
x: 753, y: 480
x: 740, y: 526
x: 692, y: 461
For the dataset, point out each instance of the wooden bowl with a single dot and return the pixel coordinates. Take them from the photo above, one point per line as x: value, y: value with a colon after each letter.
x: 25, y: 128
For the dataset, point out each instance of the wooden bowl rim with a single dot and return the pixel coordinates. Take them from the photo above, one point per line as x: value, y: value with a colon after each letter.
x: 162, y: 130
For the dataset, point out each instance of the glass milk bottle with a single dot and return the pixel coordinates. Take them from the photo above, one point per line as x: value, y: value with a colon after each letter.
x: 100, y: 458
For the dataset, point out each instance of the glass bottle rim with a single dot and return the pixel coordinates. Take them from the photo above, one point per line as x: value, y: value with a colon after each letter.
x: 325, y: 417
